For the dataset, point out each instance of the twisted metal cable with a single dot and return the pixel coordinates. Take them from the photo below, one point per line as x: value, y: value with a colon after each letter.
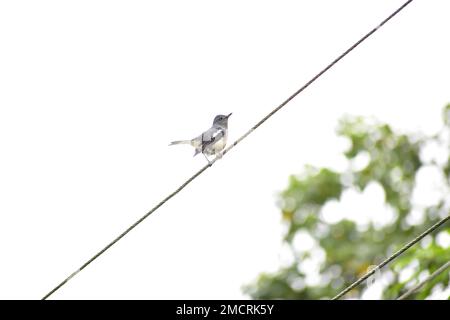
x: 426, y: 280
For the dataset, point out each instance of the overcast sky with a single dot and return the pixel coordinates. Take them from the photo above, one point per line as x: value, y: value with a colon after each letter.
x: 92, y: 92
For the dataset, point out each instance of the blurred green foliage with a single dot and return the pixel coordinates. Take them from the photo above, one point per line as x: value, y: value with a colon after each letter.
x: 345, y: 250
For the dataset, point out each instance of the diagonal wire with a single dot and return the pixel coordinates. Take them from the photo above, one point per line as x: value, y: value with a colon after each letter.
x: 392, y: 257
x: 313, y: 79
x: 428, y: 279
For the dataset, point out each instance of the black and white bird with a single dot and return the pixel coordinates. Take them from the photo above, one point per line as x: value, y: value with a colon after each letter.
x: 212, y: 141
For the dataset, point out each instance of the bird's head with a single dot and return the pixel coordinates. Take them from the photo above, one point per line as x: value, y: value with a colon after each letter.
x: 221, y: 120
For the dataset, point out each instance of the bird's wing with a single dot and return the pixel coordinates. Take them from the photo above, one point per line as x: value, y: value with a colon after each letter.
x: 207, y: 138
x: 212, y: 135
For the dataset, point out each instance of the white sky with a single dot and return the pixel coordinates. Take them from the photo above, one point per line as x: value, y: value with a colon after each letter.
x: 92, y: 92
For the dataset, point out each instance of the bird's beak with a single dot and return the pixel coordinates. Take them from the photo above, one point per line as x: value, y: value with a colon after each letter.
x: 229, y: 115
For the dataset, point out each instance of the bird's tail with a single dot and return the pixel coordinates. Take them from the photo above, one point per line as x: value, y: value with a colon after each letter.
x: 180, y: 142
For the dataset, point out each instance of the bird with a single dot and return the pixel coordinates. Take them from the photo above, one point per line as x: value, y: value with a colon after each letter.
x: 212, y: 141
